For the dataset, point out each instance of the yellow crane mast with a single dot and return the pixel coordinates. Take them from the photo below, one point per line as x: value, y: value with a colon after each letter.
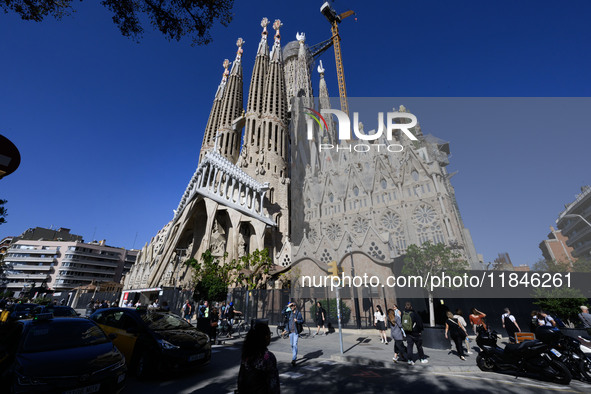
x: 334, y: 20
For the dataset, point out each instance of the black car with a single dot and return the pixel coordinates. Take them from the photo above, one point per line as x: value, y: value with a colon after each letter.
x: 59, y: 355
x: 57, y: 310
x: 22, y: 311
x: 154, y: 341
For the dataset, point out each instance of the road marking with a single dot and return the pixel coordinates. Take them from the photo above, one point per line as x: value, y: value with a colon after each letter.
x: 556, y: 388
x: 368, y: 374
x: 291, y: 375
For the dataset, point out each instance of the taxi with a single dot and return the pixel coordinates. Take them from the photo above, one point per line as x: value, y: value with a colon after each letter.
x: 154, y: 341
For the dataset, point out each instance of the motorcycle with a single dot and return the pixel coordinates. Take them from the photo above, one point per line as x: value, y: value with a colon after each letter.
x: 566, y: 350
x: 528, y: 357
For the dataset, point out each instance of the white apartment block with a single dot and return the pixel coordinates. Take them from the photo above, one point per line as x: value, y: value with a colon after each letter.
x: 63, y: 265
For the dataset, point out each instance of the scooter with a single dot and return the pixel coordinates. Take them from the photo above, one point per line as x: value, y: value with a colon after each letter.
x: 566, y: 350
x: 528, y: 357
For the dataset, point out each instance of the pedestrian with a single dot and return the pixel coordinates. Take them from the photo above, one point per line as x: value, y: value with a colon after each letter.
x: 214, y: 318
x: 258, y: 366
x: 204, y: 310
x: 462, y: 322
x: 397, y: 334
x: 546, y: 320
x: 295, y: 319
x: 534, y: 322
x: 585, y: 318
x: 412, y: 324
x: 186, y: 310
x: 90, y: 308
x: 320, y: 318
x: 477, y: 320
x: 380, y: 324
x: 510, y: 324
x: 456, y: 332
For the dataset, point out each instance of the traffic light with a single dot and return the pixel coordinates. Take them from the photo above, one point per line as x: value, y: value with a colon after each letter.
x: 333, y: 269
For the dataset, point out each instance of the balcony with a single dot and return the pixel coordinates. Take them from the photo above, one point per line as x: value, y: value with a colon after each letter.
x: 78, y: 260
x: 50, y: 251
x: 27, y: 277
x: 95, y: 255
x: 67, y: 270
x: 23, y: 267
x: 31, y: 259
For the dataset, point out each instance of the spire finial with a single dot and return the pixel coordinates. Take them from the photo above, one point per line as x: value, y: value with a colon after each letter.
x: 226, y: 64
x: 301, y: 37
x: 264, y: 24
x: 321, y: 69
x: 239, y: 44
x: 276, y: 26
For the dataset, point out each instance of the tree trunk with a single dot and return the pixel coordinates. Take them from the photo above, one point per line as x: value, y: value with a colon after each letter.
x: 431, y: 310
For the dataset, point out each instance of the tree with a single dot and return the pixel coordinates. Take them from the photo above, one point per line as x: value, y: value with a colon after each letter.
x: 210, y: 276
x: 583, y: 264
x: 213, y: 277
x: 551, y: 266
x: 561, y: 301
x: 173, y: 18
x: 433, y: 260
x: 330, y: 306
x: 3, y: 211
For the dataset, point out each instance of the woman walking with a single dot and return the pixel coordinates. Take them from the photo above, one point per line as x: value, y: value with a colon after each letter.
x: 456, y: 332
x: 397, y: 333
x: 258, y: 369
x: 380, y: 324
x: 477, y: 320
x: 320, y: 318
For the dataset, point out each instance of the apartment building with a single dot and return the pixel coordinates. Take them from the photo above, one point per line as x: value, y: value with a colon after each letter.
x: 61, y: 265
x: 575, y: 224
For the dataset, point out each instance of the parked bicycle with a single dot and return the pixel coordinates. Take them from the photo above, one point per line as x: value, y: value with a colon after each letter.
x: 283, y: 332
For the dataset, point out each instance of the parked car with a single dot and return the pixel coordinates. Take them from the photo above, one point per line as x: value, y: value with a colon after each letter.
x: 21, y: 311
x: 57, y: 310
x: 57, y: 355
x: 154, y: 341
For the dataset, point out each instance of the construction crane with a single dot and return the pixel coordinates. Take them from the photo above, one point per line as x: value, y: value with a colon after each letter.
x: 334, y: 20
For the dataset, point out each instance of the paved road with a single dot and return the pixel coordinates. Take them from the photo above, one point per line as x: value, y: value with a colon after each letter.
x: 368, y: 369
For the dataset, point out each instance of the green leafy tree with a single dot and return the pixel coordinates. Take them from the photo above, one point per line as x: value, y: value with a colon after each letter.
x: 3, y: 211
x: 551, y: 266
x: 330, y: 306
x: 432, y: 259
x: 210, y: 276
x: 583, y: 264
x: 213, y: 277
x: 173, y: 18
x: 563, y: 302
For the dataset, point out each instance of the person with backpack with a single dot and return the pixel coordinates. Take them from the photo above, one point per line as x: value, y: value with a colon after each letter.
x: 462, y: 322
x: 510, y: 324
x: 294, y: 327
x: 456, y: 332
x: 413, y: 328
x: 397, y: 334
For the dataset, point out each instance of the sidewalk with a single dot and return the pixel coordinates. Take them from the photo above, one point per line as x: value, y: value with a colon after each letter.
x: 363, y: 347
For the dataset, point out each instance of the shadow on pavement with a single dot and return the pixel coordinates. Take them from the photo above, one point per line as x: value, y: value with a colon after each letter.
x: 359, y: 340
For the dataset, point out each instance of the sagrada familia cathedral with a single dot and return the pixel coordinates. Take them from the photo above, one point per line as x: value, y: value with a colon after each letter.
x: 261, y: 184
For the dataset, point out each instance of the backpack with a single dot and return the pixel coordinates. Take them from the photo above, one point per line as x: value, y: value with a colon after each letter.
x: 407, y: 323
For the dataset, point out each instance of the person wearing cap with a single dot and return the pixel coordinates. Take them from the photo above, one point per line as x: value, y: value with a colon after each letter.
x: 294, y: 317
x: 585, y: 318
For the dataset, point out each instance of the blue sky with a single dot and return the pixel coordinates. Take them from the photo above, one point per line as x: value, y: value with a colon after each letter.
x: 109, y: 130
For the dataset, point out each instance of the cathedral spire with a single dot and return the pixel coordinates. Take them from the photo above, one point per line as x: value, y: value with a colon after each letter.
x: 231, y: 109
x: 214, y: 115
x: 324, y: 103
x: 252, y: 134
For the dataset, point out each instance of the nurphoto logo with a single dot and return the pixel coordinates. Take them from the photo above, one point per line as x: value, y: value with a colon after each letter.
x: 344, y: 130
